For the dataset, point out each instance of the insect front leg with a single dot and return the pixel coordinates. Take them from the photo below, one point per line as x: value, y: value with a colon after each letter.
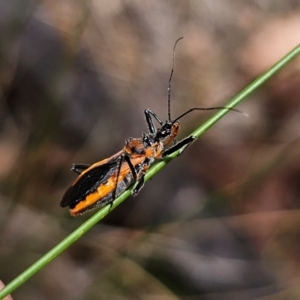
x: 149, y: 114
x: 79, y: 168
x: 182, y: 145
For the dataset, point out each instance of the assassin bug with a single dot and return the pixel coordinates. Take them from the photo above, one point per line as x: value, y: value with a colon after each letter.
x: 101, y: 183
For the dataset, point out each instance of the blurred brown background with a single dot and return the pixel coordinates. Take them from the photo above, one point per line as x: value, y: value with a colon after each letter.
x: 220, y: 222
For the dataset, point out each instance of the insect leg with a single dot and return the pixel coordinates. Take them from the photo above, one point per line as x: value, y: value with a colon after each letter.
x: 142, y: 171
x: 116, y: 185
x: 137, y: 173
x: 125, y: 157
x: 132, y: 169
x: 79, y: 168
x: 183, y: 144
x: 149, y: 114
x: 139, y: 185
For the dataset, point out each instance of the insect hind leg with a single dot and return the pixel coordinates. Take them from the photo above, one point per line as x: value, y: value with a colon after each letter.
x: 111, y: 202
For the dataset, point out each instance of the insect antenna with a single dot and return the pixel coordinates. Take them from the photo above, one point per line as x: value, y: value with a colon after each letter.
x: 210, y: 108
x: 170, y: 80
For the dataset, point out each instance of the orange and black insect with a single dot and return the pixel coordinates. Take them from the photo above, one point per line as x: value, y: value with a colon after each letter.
x: 101, y: 183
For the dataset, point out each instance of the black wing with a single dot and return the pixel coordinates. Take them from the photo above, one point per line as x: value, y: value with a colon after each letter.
x: 88, y: 183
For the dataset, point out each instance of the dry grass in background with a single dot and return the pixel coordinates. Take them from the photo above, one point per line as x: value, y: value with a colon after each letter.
x: 222, y: 221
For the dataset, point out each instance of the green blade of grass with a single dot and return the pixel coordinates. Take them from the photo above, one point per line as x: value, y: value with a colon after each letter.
x: 43, y: 261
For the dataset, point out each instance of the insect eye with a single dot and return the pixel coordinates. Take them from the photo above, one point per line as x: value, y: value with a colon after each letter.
x: 166, y: 132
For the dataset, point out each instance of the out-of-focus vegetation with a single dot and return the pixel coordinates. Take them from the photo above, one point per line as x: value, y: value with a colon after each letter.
x: 221, y: 221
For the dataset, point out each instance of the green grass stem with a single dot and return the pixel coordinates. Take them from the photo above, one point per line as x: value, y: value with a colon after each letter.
x: 81, y: 230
